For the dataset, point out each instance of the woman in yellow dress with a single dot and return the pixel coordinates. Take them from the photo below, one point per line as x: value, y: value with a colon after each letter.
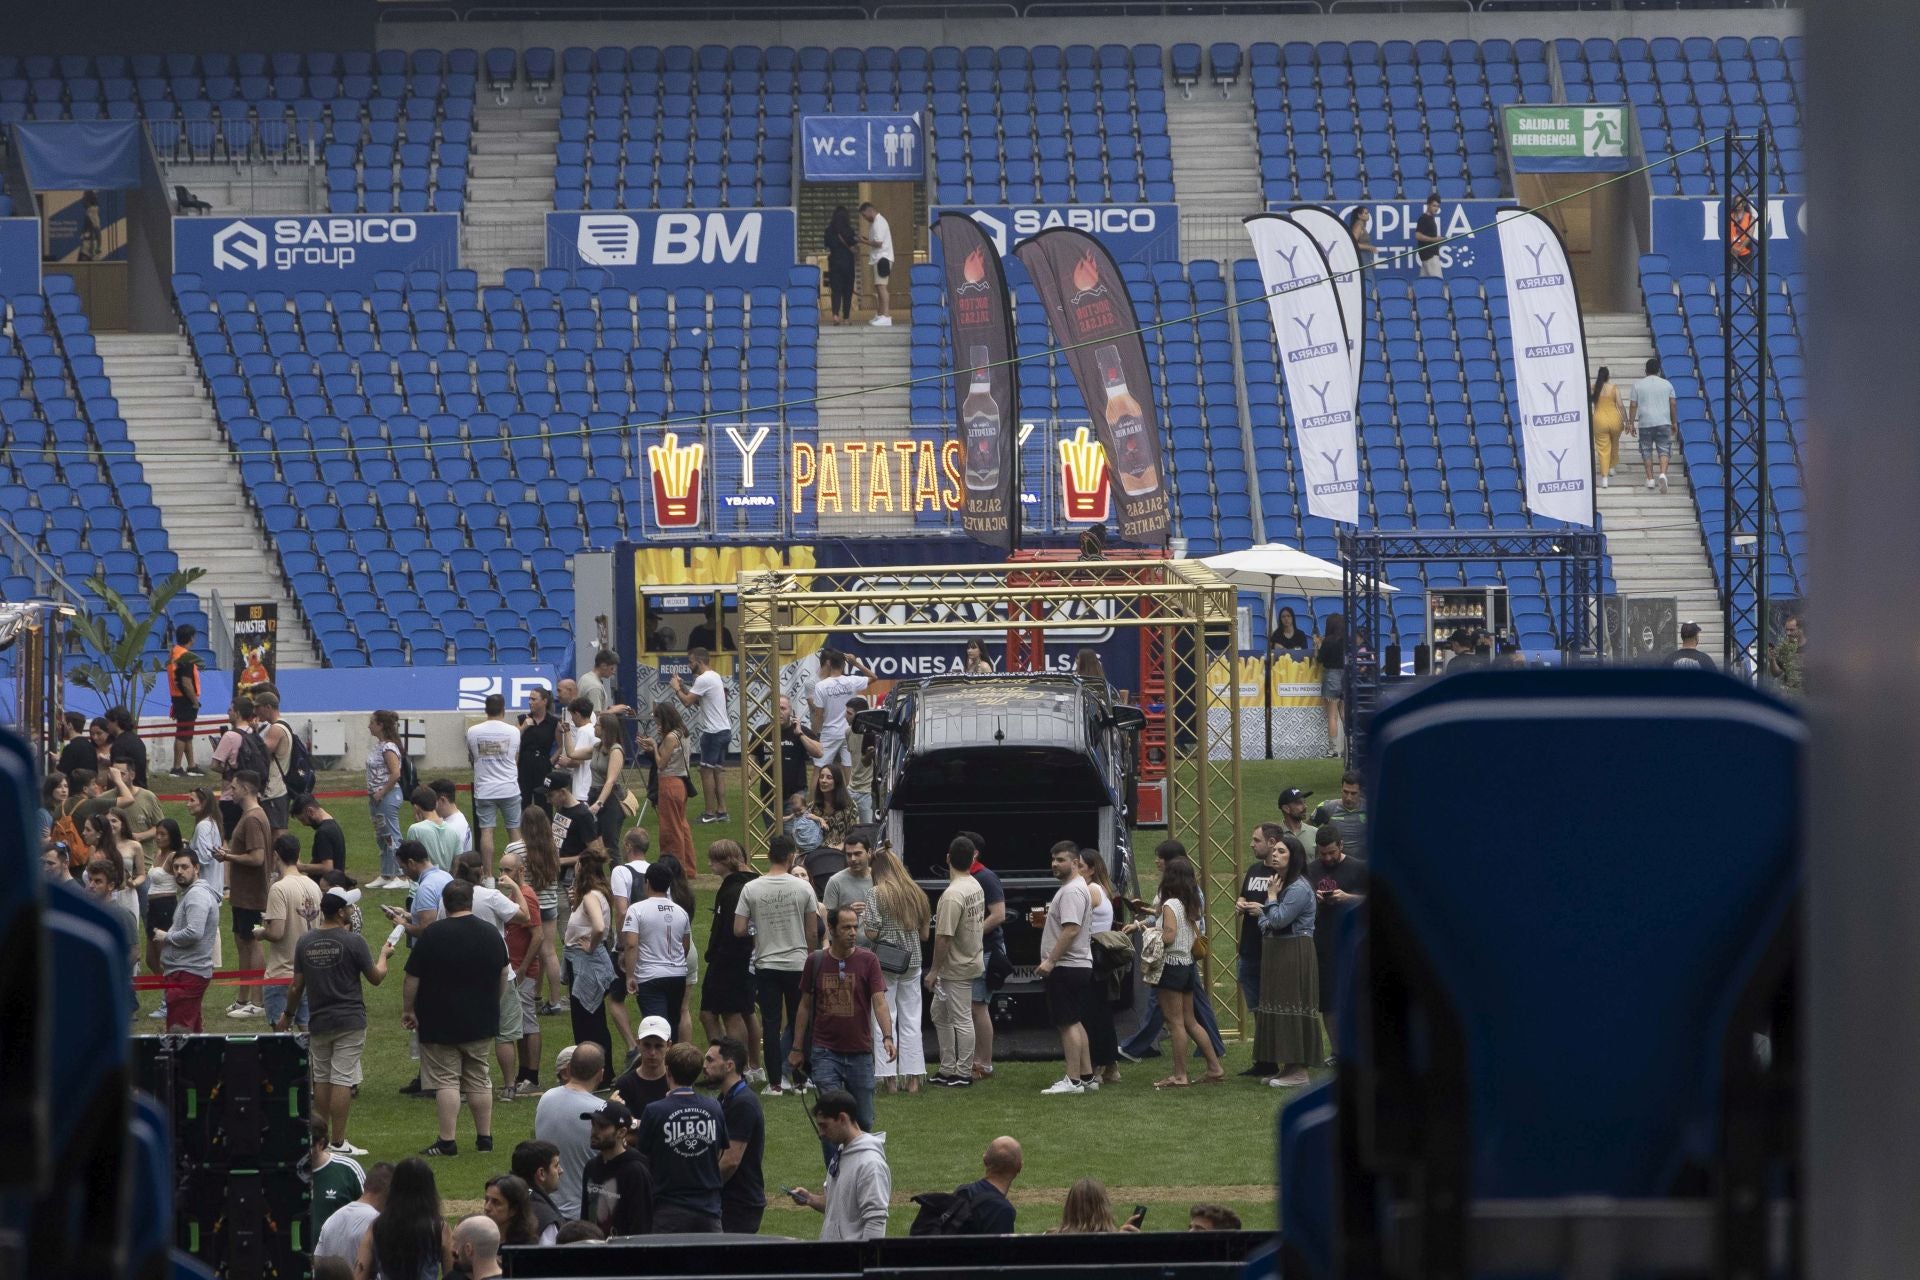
x: 1606, y: 426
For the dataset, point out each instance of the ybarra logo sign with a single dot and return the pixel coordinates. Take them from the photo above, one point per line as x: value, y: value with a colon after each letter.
x: 325, y: 252
x: 742, y: 247
x: 1131, y: 232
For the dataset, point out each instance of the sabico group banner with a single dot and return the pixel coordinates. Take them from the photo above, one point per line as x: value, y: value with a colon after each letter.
x: 1557, y: 138
x: 1313, y: 360
x: 862, y: 148
x: 986, y: 386
x: 1131, y: 232
x: 1343, y: 264
x: 1549, y: 369
x: 19, y: 256
x: 665, y: 248
x: 256, y: 644
x: 1692, y: 232
x: 320, y: 251
x: 1472, y: 248
x: 1092, y: 318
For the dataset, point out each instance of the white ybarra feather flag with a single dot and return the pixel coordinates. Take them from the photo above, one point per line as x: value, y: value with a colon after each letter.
x: 1549, y: 367
x: 1343, y: 263
x: 1313, y: 358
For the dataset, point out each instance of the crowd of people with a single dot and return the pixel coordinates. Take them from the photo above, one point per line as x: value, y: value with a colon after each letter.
x: 818, y: 974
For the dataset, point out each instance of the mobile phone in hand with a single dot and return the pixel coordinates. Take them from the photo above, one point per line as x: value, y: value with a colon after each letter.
x: 799, y: 1194
x: 1139, y: 1215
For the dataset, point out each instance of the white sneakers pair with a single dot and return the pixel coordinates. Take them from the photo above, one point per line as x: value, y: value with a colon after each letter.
x: 1067, y: 1084
x: 246, y: 1011
x: 881, y: 322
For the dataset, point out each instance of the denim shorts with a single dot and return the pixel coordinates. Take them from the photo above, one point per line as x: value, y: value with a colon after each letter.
x: 713, y: 748
x: 502, y: 812
x: 1656, y: 440
x: 1179, y: 977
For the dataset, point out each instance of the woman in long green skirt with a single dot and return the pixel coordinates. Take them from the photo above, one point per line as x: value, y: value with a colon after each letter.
x: 1287, y: 1019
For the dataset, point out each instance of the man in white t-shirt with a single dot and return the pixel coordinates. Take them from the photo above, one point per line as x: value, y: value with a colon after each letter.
x: 779, y: 912
x: 829, y: 701
x: 577, y: 753
x: 879, y: 242
x: 654, y: 936
x: 499, y: 910
x: 493, y: 746
x: 707, y: 701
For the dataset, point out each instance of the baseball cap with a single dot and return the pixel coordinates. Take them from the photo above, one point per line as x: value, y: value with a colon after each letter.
x: 1293, y: 793
x: 560, y: 780
x: 346, y: 897
x: 1689, y: 631
x: 657, y: 1027
x: 614, y: 1113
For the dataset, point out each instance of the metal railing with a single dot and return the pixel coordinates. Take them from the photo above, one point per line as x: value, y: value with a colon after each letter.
x: 47, y: 581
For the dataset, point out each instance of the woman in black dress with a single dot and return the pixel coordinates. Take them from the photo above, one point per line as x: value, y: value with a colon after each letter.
x: 1333, y: 680
x: 841, y: 244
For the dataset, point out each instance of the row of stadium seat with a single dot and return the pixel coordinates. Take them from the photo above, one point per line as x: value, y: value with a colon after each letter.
x: 426, y: 457
x: 73, y: 494
x: 1686, y: 94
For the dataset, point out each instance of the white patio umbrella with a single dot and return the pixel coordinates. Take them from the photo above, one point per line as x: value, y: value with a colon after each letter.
x: 1274, y: 567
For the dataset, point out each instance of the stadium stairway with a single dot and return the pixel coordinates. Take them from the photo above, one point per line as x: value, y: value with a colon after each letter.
x: 1654, y: 539
x: 860, y: 356
x: 257, y: 187
x: 510, y: 187
x: 1216, y: 170
x: 209, y: 521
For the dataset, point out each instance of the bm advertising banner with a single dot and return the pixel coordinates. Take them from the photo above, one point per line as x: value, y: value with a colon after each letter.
x: 1568, y: 139
x: 986, y: 385
x: 1092, y: 318
x: 313, y: 251
x: 664, y: 248
x: 1692, y: 232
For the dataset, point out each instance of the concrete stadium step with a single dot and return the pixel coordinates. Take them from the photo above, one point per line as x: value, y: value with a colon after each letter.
x: 509, y: 186
x: 210, y: 523
x: 857, y: 358
x: 1216, y: 170
x: 1654, y: 539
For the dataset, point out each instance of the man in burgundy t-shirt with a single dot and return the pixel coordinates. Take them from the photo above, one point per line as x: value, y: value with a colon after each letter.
x: 843, y: 997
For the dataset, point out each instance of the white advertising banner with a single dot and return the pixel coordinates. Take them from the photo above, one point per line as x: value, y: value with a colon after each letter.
x: 1343, y: 262
x: 1550, y: 368
x: 1307, y: 324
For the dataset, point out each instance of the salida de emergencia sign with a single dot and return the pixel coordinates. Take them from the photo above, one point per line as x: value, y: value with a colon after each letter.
x: 1550, y: 139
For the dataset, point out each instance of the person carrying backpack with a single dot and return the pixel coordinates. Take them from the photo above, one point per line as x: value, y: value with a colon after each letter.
x: 278, y: 738
x: 980, y: 1208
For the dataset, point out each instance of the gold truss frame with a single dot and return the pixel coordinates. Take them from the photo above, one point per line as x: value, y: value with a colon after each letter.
x: 1189, y: 605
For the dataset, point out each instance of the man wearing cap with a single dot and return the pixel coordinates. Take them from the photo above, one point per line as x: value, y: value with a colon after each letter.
x: 1339, y: 885
x: 328, y: 963
x: 645, y: 1082
x: 575, y: 829
x: 616, y: 1188
x: 1293, y: 816
x: 1265, y: 842
x: 1688, y: 654
x: 683, y: 1137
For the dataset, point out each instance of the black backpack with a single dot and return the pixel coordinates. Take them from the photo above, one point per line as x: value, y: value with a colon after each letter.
x: 300, y: 775
x: 253, y: 755
x: 943, y: 1213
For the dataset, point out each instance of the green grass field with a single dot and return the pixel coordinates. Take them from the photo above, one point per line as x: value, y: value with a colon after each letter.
x: 1166, y: 1150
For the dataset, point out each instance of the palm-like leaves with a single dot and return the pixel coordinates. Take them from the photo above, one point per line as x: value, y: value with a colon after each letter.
x: 120, y: 670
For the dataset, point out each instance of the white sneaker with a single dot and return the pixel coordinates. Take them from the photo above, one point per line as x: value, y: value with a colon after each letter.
x: 881, y: 322
x: 1649, y: 484
x: 1090, y: 1086
x: 346, y: 1149
x: 756, y: 1075
x: 1663, y: 483
x: 246, y: 1011
x: 1064, y: 1085
x: 1606, y: 482
x: 158, y: 1014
